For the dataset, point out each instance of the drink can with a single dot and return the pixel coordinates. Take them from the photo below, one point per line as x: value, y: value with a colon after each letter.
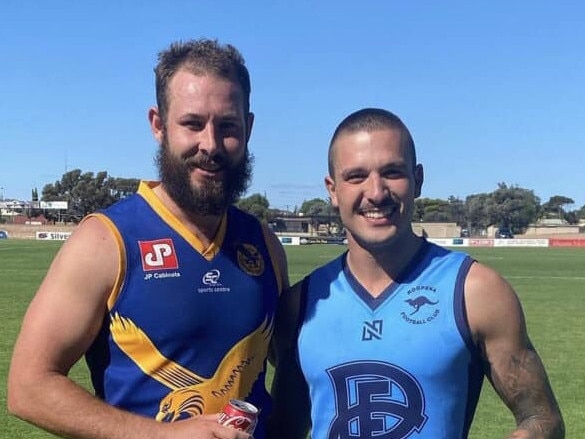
x: 240, y: 415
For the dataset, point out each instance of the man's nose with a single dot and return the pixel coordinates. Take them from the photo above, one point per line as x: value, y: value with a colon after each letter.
x: 376, y: 189
x: 210, y: 140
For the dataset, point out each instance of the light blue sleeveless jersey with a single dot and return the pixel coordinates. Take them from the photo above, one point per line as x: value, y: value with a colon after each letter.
x: 399, y: 366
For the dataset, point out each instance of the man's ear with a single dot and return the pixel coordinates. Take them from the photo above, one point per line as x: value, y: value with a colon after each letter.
x: 330, y: 186
x: 249, y: 125
x: 157, y: 125
x: 419, y: 177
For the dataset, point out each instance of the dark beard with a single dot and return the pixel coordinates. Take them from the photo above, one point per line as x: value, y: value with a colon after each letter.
x: 213, y: 197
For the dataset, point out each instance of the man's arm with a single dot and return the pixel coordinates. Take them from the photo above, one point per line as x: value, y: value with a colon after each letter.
x: 60, y: 324
x: 512, y: 364
x: 279, y: 257
x: 291, y: 415
x: 280, y: 264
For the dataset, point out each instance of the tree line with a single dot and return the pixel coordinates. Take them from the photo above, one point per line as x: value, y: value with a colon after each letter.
x: 85, y: 192
x: 507, y: 206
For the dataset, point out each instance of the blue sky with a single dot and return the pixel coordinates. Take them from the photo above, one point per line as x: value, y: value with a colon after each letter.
x: 491, y: 91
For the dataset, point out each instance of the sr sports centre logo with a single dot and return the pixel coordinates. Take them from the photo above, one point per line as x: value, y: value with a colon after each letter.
x: 212, y: 284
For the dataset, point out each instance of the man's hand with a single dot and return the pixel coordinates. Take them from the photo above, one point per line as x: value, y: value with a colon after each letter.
x: 202, y: 427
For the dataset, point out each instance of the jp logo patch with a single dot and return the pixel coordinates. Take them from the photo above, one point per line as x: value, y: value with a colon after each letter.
x: 158, y: 255
x: 375, y: 400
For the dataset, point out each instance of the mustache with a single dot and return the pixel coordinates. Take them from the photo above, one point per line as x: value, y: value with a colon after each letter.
x: 204, y: 161
x: 390, y: 201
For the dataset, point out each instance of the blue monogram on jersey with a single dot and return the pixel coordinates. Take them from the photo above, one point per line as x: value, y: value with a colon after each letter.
x: 372, y: 330
x: 375, y: 400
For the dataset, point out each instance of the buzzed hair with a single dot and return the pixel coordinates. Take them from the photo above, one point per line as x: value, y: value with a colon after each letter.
x: 368, y: 120
x: 200, y: 57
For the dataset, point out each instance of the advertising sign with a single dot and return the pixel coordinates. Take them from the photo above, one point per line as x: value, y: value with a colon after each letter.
x: 290, y: 240
x: 53, y: 236
x: 521, y: 242
x: 56, y: 205
x: 572, y: 242
x: 481, y: 242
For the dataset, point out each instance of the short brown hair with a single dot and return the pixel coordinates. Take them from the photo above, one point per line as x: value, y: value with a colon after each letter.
x: 203, y: 56
x: 371, y: 119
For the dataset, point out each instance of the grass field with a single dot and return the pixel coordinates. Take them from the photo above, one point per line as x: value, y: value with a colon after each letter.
x: 549, y: 281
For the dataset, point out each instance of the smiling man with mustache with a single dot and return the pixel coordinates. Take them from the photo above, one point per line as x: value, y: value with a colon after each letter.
x: 171, y: 293
x: 392, y: 339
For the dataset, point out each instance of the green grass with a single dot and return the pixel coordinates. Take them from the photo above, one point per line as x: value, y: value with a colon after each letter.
x: 23, y: 264
x: 549, y: 281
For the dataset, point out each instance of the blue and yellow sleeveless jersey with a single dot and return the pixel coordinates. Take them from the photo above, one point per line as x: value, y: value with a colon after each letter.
x: 402, y: 365
x: 187, y: 327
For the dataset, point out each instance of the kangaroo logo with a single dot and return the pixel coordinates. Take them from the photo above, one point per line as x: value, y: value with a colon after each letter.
x: 418, y: 302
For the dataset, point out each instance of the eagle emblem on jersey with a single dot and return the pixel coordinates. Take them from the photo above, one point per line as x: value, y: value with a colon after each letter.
x: 250, y: 259
x: 191, y: 394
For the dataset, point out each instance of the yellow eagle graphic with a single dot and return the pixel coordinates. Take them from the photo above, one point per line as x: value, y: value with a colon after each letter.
x: 192, y: 394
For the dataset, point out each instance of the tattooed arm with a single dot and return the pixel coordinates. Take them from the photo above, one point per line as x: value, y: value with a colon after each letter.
x: 512, y: 364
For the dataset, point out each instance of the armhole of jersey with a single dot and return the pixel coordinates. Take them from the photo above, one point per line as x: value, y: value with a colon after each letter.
x: 475, y: 369
x: 278, y: 270
x: 113, y: 296
x: 301, y: 312
x: 459, y: 305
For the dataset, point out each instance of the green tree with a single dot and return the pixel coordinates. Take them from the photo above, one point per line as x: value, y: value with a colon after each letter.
x: 437, y: 210
x: 33, y: 210
x: 419, y: 209
x: 257, y: 205
x: 513, y: 207
x: 457, y: 210
x: 316, y: 206
x: 122, y: 187
x: 571, y: 217
x: 555, y: 207
x: 477, y: 208
x: 86, y: 192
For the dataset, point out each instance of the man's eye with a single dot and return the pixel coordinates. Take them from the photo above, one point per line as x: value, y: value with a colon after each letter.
x: 194, y: 126
x: 394, y: 173
x: 230, y: 127
x: 354, y: 178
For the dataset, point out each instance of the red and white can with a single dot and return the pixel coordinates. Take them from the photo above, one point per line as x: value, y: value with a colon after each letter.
x: 240, y: 415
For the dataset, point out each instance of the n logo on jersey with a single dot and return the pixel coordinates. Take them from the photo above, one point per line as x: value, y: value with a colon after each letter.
x: 372, y: 330
x: 375, y: 400
x: 158, y: 255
